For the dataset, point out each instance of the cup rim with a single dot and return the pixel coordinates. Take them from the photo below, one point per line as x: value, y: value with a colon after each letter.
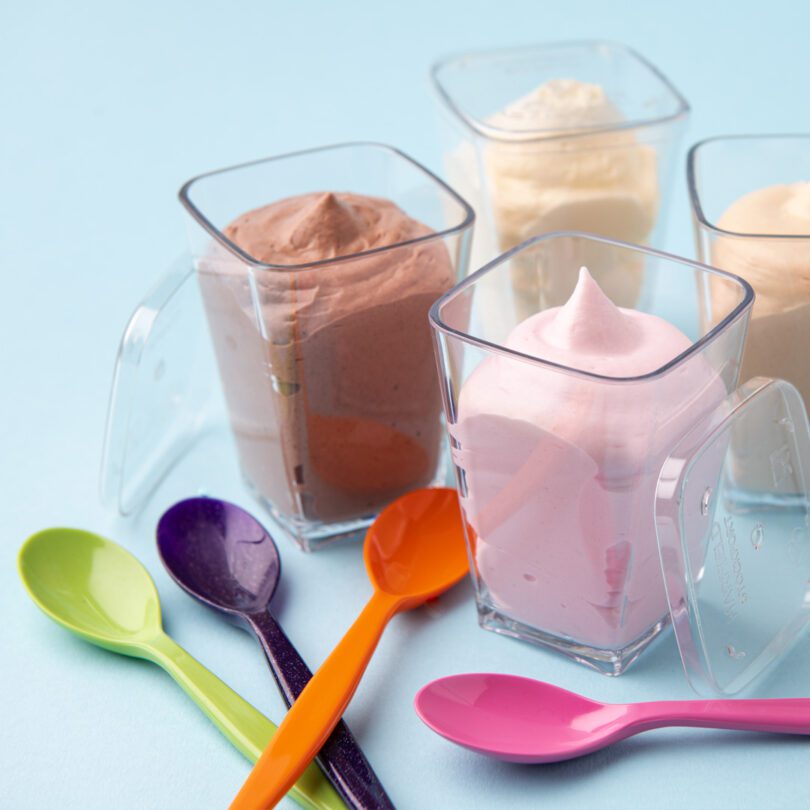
x: 466, y: 223
x: 694, y: 194
x: 550, y: 135
x: 739, y: 311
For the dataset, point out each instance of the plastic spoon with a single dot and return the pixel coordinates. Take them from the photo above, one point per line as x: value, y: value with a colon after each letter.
x: 414, y: 551
x: 522, y: 720
x: 100, y: 592
x: 222, y: 556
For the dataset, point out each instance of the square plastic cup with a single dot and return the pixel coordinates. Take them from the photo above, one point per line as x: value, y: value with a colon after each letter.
x: 327, y: 366
x: 775, y: 261
x: 599, y: 161
x: 557, y: 467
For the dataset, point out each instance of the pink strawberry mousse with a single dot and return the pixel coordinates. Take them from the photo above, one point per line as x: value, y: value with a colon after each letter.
x: 561, y: 467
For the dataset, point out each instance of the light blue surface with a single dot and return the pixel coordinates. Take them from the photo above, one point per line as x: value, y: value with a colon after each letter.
x: 106, y: 109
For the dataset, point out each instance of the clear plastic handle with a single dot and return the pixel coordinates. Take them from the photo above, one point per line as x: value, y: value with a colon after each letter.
x: 163, y: 394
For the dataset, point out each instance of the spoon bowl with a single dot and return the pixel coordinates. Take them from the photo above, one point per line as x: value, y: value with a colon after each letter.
x: 408, y: 552
x: 92, y: 587
x: 220, y: 554
x: 505, y: 716
x: 522, y: 720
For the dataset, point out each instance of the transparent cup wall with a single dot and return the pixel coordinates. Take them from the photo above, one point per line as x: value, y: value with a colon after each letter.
x: 739, y: 480
x: 720, y: 171
x: 327, y: 368
x: 165, y: 399
x: 612, y: 180
x: 557, y: 469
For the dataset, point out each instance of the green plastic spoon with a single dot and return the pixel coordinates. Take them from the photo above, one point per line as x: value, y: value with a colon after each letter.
x: 99, y: 591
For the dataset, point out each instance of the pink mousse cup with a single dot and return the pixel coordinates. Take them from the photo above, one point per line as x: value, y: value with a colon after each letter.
x: 557, y: 475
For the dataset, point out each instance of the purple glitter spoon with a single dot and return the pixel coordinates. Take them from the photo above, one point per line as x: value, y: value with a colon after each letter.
x: 222, y: 556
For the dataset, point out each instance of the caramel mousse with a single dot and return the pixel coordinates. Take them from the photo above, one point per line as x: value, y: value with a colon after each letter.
x: 325, y: 355
x: 779, y: 271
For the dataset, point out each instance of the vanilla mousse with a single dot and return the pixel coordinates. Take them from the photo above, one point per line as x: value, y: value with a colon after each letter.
x: 560, y: 465
x: 779, y: 271
x: 325, y: 355
x: 561, y: 159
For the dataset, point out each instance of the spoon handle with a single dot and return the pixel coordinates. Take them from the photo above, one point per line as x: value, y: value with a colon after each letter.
x: 341, y: 757
x: 245, y: 727
x: 778, y: 715
x: 316, y: 712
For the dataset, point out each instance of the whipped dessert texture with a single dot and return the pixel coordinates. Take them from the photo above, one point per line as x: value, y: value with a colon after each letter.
x: 779, y: 272
x: 561, y: 469
x: 602, y: 182
x: 328, y: 370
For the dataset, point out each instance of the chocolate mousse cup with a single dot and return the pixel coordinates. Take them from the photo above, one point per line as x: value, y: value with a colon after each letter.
x: 326, y: 363
x: 558, y: 489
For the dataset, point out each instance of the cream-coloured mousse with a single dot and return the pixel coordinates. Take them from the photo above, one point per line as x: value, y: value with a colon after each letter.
x: 561, y: 468
x: 579, y: 171
x: 779, y: 271
x: 327, y: 367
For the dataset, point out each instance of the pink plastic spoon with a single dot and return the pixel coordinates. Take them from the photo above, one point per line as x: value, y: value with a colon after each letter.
x: 523, y: 720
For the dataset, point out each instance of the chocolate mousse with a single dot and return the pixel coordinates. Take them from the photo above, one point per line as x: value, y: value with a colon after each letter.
x: 325, y: 353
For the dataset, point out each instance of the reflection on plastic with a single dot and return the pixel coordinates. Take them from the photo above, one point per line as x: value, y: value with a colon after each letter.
x: 163, y: 396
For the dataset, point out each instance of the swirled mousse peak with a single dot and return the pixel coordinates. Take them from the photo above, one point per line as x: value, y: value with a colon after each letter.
x: 590, y: 322
x: 322, y: 225
x: 590, y: 333
x: 559, y: 105
x: 326, y: 224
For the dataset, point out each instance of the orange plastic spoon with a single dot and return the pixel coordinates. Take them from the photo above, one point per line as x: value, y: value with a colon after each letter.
x: 414, y: 551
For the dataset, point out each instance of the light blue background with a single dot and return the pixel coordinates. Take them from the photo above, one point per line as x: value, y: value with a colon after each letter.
x: 105, y: 109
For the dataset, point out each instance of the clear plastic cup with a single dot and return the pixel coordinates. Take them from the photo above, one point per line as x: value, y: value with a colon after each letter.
x: 327, y: 367
x: 557, y: 468
x: 599, y: 165
x: 723, y: 170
